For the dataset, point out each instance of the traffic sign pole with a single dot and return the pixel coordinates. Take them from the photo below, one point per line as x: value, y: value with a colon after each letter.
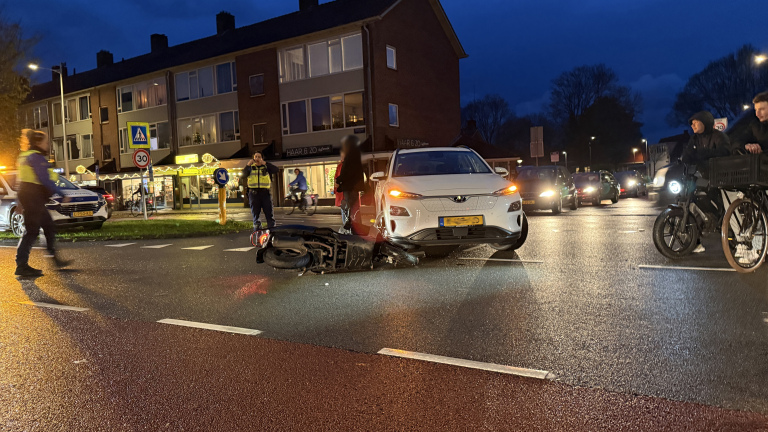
x: 143, y: 195
x: 221, y: 177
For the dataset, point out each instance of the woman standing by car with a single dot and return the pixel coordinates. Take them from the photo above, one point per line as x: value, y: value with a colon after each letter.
x: 350, y: 183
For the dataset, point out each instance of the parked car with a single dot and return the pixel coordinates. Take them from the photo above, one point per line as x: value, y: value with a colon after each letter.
x: 631, y: 183
x: 107, y: 196
x: 85, y: 208
x: 547, y: 188
x: 445, y: 196
x: 594, y: 187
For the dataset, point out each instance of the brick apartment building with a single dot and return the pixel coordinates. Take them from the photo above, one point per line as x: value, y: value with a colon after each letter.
x: 291, y: 86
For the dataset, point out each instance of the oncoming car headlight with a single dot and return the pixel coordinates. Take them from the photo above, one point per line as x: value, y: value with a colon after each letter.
x: 589, y: 189
x: 675, y: 187
x: 631, y: 183
x: 548, y: 193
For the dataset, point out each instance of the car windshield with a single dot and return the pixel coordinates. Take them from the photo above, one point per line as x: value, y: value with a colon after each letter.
x: 547, y: 174
x: 582, y: 179
x: 439, y: 163
x: 65, y: 184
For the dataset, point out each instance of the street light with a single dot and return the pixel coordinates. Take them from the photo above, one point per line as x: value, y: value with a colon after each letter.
x: 647, y: 158
x: 634, y: 153
x: 35, y: 67
x: 590, y: 152
x: 760, y: 58
x: 565, y: 153
x: 519, y: 161
x: 746, y: 107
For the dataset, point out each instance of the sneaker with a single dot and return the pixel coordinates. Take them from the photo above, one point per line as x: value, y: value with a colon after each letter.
x: 27, y: 271
x: 699, y: 249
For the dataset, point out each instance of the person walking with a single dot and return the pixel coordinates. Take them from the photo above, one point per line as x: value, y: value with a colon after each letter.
x: 259, y: 173
x: 350, y: 183
x: 36, y: 186
x: 299, y: 188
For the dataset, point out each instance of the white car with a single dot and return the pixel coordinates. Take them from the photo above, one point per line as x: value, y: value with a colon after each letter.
x: 85, y: 208
x: 447, y: 196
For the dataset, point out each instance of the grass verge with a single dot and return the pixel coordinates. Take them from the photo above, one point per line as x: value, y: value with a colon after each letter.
x: 151, y: 229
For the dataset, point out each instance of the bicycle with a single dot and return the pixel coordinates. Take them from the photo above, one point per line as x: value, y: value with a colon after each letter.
x: 310, y: 201
x: 744, y: 231
x: 137, y: 210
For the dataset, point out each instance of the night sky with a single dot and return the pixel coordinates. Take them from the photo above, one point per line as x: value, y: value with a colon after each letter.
x: 516, y: 47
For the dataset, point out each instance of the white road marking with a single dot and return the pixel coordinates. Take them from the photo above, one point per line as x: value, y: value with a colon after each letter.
x: 156, y: 246
x: 245, y: 249
x: 492, y: 367
x: 206, y: 326
x: 54, y: 306
x: 721, y: 269
x: 503, y: 260
x: 121, y: 245
x: 198, y: 248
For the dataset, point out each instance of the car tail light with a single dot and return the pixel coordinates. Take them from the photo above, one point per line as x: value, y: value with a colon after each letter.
x: 398, y: 211
x: 622, y: 189
x: 109, y: 197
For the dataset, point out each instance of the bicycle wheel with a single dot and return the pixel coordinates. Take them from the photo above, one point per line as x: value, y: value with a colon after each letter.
x: 312, y: 207
x: 293, y: 207
x: 135, y: 209
x: 744, y: 235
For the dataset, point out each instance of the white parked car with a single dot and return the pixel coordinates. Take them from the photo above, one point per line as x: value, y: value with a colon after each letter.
x: 86, y: 208
x: 447, y: 196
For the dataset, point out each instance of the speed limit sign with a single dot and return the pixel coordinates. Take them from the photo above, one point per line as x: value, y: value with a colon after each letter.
x: 141, y: 158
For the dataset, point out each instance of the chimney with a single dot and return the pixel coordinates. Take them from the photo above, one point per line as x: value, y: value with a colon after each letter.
x: 55, y: 70
x: 158, y: 42
x: 103, y: 58
x: 307, y: 4
x: 225, y: 21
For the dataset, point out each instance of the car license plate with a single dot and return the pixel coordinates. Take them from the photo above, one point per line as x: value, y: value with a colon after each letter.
x: 529, y: 202
x: 461, y: 221
x: 82, y: 214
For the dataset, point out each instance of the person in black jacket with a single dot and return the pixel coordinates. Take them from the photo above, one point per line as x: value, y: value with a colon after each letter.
x: 351, y: 180
x: 705, y: 143
x: 756, y: 138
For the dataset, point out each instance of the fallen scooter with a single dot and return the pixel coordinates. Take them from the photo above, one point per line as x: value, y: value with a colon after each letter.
x: 323, y: 250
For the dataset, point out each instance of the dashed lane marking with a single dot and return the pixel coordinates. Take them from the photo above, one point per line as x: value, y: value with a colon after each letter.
x: 720, y: 269
x: 503, y: 260
x: 54, y: 306
x: 156, y: 246
x: 120, y: 245
x: 245, y: 249
x: 492, y: 367
x: 215, y: 327
x: 198, y: 248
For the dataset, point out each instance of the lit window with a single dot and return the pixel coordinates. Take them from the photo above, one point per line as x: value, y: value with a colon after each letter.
x: 394, y: 115
x: 391, y: 57
x: 352, y: 48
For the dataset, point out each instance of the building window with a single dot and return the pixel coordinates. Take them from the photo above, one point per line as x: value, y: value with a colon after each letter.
x: 85, y: 107
x: 73, y: 148
x: 318, y: 59
x: 334, y: 54
x: 226, y: 78
x: 337, y: 111
x: 70, y: 111
x: 150, y: 93
x: 194, y: 84
x: 256, y: 84
x: 394, y: 115
x: 86, y: 146
x: 321, y: 114
x: 58, y: 149
x: 125, y: 99
x: 56, y: 113
x: 296, y: 118
x: 197, y: 130
x: 104, y: 114
x: 391, y: 57
x: 40, y: 117
x: 352, y: 49
x: 122, y: 138
x: 229, y: 125
x: 106, y: 152
x: 326, y: 113
x: 205, y: 80
x: 294, y: 64
x: 260, y: 133
x: 353, y: 110
x: 160, y: 136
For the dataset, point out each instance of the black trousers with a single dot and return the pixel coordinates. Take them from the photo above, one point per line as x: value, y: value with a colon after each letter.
x: 261, y: 200
x: 36, y: 216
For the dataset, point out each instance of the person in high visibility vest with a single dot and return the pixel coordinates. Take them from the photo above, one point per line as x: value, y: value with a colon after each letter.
x: 258, y: 176
x: 37, y: 183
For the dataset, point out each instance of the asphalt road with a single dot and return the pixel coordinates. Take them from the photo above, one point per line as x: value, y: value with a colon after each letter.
x: 582, y: 309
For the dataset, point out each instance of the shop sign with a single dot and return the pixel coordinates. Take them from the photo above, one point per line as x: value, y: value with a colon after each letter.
x: 409, y: 143
x: 185, y: 159
x: 309, y: 151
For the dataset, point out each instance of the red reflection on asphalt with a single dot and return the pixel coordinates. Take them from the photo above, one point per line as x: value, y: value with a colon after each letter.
x: 258, y: 286
x: 244, y: 286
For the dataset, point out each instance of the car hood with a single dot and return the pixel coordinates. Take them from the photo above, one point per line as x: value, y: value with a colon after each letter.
x: 453, y: 184
x: 77, y: 195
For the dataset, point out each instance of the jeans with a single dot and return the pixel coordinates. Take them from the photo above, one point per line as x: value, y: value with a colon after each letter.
x: 36, y: 216
x: 350, y: 209
x: 298, y: 195
x: 261, y: 200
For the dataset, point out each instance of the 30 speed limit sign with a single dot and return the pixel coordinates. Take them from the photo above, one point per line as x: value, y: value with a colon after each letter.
x: 141, y: 158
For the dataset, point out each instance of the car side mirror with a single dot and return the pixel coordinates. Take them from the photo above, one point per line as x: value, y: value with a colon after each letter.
x: 378, y: 176
x: 501, y: 171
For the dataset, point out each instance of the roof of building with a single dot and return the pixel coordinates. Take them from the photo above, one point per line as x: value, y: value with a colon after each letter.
x: 318, y: 18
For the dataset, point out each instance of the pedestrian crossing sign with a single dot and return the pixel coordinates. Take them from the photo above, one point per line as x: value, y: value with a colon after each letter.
x: 138, y: 135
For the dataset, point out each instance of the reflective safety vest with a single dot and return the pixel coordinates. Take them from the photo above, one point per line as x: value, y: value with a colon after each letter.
x: 259, y: 178
x: 27, y: 173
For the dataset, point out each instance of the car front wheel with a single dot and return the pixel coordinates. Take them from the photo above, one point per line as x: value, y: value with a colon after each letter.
x: 17, y: 223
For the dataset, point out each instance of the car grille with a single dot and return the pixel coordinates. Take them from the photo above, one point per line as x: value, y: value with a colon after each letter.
x: 448, y: 205
x: 469, y: 233
x: 68, y: 209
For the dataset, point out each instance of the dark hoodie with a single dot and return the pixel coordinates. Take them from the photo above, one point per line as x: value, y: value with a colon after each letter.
x: 706, y: 145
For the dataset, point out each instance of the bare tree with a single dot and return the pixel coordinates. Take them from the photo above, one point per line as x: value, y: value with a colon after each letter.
x: 14, y: 85
x: 490, y: 113
x: 723, y: 87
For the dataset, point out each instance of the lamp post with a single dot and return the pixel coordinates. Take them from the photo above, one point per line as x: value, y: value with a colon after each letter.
x: 634, y: 155
x: 590, y: 152
x: 647, y: 158
x: 565, y: 153
x: 35, y: 67
x: 760, y: 59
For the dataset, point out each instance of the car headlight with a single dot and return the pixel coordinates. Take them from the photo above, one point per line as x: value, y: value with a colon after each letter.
x: 509, y: 190
x: 400, y: 194
x: 631, y: 183
x: 589, y: 189
x: 675, y: 187
x: 548, y: 193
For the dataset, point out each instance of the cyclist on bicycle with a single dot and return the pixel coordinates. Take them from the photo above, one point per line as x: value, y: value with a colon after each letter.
x: 299, y: 188
x: 755, y: 140
x: 705, y: 144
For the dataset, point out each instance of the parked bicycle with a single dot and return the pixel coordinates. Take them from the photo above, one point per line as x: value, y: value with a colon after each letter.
x: 309, y: 206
